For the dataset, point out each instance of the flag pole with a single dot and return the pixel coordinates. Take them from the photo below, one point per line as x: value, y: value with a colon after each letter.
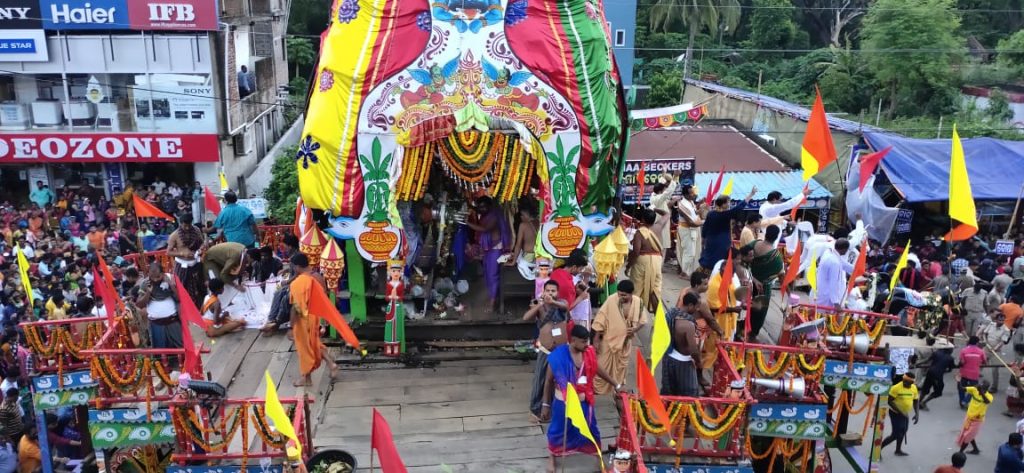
x: 565, y: 434
x: 1013, y: 216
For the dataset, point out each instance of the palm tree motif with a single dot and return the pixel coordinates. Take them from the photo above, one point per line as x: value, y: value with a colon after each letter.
x: 375, y: 174
x: 696, y: 15
x: 563, y: 182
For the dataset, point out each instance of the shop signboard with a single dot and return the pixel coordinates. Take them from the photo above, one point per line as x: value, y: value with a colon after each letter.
x: 23, y: 46
x: 20, y: 15
x: 903, y: 221
x: 42, y: 148
x: 177, y: 15
x: 1004, y: 247
x: 258, y: 206
x: 653, y: 169
x: 171, y: 108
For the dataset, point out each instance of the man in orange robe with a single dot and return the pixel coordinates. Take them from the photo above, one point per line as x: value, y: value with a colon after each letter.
x: 305, y: 324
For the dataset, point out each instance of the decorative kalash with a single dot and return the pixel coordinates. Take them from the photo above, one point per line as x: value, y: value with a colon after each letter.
x: 394, y: 320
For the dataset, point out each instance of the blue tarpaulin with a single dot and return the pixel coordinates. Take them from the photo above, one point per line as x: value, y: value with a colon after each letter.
x: 919, y: 168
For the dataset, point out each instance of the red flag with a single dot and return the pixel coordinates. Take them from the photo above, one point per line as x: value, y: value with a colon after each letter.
x: 860, y: 266
x: 792, y: 213
x: 211, y: 202
x: 791, y: 271
x: 99, y: 286
x: 718, y: 181
x: 382, y: 441
x: 189, y: 315
x: 726, y: 284
x: 322, y: 306
x: 869, y: 163
x: 641, y: 178
x: 648, y: 390
x: 146, y: 209
x: 709, y: 195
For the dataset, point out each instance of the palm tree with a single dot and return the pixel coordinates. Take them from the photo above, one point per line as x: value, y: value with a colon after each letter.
x: 696, y: 15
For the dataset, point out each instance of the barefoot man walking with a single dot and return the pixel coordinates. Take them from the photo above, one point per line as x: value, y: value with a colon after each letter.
x: 306, y: 325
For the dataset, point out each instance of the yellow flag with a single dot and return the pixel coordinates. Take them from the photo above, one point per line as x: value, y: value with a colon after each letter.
x: 660, y: 336
x: 812, y: 273
x: 961, y: 200
x: 23, y: 271
x: 275, y: 412
x: 223, y: 182
x: 728, y: 187
x: 574, y: 411
x: 902, y: 263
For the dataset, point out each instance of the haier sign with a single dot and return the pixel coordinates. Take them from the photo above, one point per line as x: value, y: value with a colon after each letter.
x: 85, y: 14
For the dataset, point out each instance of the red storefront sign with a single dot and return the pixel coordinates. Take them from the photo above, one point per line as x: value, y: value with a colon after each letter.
x: 108, y: 148
x: 173, y: 14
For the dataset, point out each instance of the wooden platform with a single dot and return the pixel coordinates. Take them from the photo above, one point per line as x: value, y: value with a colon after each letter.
x: 472, y: 416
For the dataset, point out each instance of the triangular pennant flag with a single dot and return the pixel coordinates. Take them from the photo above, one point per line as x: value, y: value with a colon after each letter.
x: 25, y: 282
x: 817, y: 149
x: 108, y: 280
x: 868, y: 164
x: 99, y: 287
x: 641, y: 181
x: 902, y: 263
x: 574, y: 412
x: 647, y: 388
x: 660, y: 336
x: 210, y: 201
x: 189, y: 315
x: 961, y: 199
x: 728, y: 187
x: 145, y: 209
x: 726, y: 284
x: 321, y: 305
x: 812, y: 273
x: 224, y: 183
x: 791, y: 271
x: 803, y: 200
x: 860, y: 267
x: 709, y: 196
x: 275, y: 412
x: 383, y: 442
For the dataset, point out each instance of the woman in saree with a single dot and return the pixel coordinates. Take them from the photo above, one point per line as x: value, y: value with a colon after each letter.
x: 766, y: 266
x: 573, y: 363
x: 717, y: 229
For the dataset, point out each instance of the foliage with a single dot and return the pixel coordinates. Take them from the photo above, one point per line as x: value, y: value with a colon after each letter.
x: 666, y: 89
x: 1011, y: 52
x: 696, y: 16
x: 913, y: 47
x: 300, y: 54
x: 846, y: 81
x: 298, y: 89
x: 990, y: 20
x: 772, y: 26
x: 309, y: 17
x: 830, y: 21
x: 283, y: 189
x: 998, y: 109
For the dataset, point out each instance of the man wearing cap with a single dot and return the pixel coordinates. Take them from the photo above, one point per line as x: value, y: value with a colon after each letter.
x: 903, y: 398
x: 617, y: 321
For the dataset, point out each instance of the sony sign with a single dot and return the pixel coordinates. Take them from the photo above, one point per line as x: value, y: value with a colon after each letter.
x: 19, y: 15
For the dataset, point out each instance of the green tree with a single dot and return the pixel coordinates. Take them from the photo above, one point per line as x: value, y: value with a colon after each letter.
x: 1011, y: 51
x: 696, y: 16
x: 283, y: 190
x: 998, y: 110
x: 912, y: 47
x: 300, y: 53
x: 771, y: 25
x: 830, y: 20
x: 846, y: 81
x: 309, y: 17
x: 666, y: 89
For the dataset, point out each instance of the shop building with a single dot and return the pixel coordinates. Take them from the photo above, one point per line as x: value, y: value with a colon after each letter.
x: 108, y: 91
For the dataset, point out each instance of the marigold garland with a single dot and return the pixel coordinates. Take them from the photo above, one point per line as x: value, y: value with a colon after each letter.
x: 715, y: 432
x: 810, y: 368
x: 471, y: 155
x: 191, y: 425
x: 263, y: 428
x: 680, y: 411
x: 415, y: 172
x: 130, y: 384
x: 781, y: 363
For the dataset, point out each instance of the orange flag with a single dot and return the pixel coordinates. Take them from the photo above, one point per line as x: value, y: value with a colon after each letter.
x: 648, y: 391
x: 108, y: 281
x: 322, y: 306
x: 145, y: 209
x: 817, y: 150
x: 189, y: 315
x: 792, y: 213
x: 859, y: 267
x: 792, y: 270
x: 723, y: 288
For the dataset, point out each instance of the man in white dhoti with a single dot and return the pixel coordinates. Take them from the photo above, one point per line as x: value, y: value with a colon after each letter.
x: 688, y: 232
x: 833, y: 269
x: 660, y: 200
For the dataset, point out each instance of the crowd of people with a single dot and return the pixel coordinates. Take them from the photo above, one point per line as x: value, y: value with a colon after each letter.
x: 63, y: 235
x: 979, y: 309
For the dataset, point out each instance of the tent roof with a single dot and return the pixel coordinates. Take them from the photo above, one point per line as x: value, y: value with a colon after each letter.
x: 919, y: 168
x: 711, y: 145
x: 789, y: 183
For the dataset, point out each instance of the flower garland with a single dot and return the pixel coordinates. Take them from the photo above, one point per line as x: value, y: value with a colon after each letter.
x: 728, y: 421
x: 35, y: 342
x: 263, y: 428
x: 191, y: 425
x: 514, y: 172
x: 842, y: 327
x: 130, y: 384
x: 470, y: 156
x: 705, y: 425
x: 161, y: 372
x: 415, y: 172
x: 809, y: 368
x: 781, y: 363
x: 675, y: 411
x: 875, y: 333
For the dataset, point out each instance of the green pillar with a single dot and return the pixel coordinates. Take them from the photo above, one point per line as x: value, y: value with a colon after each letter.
x: 356, y: 282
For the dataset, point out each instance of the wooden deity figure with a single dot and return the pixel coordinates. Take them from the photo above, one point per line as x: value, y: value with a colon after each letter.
x: 394, y: 320
x: 543, y: 274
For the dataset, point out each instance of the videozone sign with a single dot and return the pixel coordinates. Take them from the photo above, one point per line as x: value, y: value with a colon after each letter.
x: 125, y: 15
x: 111, y: 148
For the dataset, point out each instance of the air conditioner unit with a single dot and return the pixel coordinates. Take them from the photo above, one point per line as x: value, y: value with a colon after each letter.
x: 244, y: 142
x: 769, y: 139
